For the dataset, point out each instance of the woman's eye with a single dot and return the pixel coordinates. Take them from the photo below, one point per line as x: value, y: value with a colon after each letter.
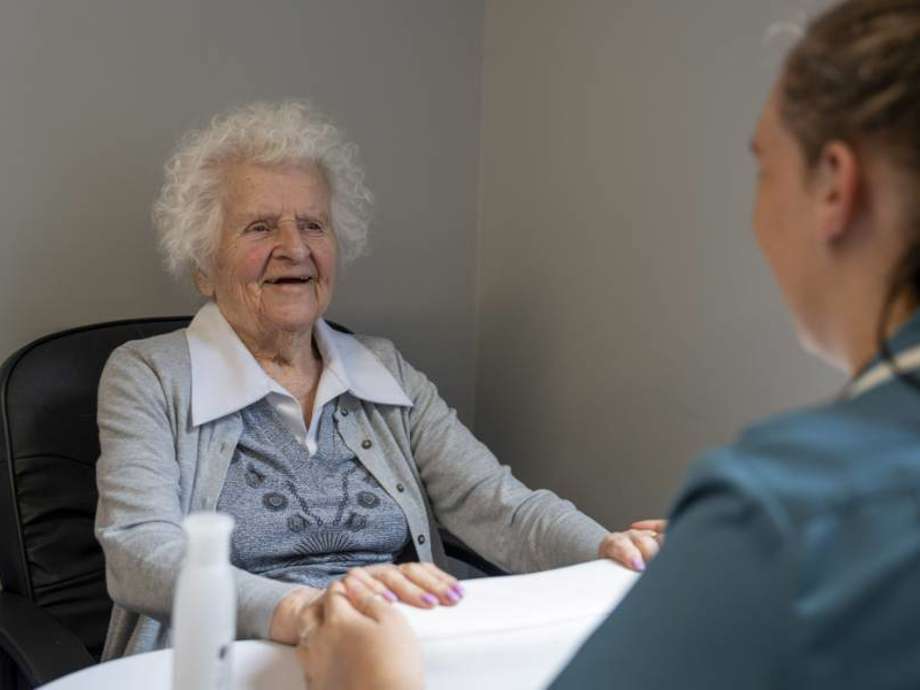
x: 258, y: 227
x: 311, y: 226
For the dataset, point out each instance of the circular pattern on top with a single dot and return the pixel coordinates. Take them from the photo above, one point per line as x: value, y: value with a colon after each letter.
x: 366, y: 499
x: 274, y: 501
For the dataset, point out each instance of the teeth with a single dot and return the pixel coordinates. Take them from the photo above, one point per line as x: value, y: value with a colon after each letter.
x: 300, y: 279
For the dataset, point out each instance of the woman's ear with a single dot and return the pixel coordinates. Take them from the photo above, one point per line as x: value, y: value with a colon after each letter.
x: 203, y: 283
x: 836, y: 184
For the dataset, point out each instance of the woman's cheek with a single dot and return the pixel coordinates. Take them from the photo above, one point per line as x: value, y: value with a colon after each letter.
x: 324, y: 258
x: 252, y: 263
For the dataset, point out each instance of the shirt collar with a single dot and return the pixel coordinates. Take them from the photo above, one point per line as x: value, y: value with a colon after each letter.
x: 904, y: 347
x: 226, y: 377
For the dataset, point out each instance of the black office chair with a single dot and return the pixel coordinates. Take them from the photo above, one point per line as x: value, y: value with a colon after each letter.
x: 54, y: 608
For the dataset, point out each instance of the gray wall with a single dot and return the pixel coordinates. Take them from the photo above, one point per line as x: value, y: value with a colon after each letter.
x: 627, y: 320
x: 95, y: 93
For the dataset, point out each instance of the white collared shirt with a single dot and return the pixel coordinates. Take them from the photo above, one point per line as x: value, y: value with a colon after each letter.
x: 226, y: 377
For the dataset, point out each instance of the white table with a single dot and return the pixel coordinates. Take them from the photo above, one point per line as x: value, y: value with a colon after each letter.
x: 509, y: 633
x: 256, y: 665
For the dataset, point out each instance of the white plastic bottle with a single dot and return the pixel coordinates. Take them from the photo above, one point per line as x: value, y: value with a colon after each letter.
x: 204, y: 610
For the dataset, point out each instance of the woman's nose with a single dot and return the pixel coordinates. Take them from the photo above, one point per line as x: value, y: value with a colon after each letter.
x: 291, y: 242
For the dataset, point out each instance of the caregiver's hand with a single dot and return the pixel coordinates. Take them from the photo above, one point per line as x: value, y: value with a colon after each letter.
x: 635, y: 547
x: 289, y: 614
x: 363, y: 646
x: 423, y: 585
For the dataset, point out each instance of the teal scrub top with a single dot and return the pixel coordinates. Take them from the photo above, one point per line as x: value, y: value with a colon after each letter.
x: 792, y: 559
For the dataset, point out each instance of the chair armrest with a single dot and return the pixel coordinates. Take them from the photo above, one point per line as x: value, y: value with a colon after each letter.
x: 40, y: 647
x: 457, y: 550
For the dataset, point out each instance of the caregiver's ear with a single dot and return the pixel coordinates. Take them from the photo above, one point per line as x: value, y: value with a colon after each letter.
x: 837, y: 186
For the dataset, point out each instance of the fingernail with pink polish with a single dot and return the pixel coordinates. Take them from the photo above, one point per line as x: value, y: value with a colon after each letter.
x: 389, y: 596
x: 430, y: 599
x: 638, y: 564
x: 457, y: 588
x: 453, y: 596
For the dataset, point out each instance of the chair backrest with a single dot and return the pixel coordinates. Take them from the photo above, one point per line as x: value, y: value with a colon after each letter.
x: 48, y: 452
x: 49, y: 444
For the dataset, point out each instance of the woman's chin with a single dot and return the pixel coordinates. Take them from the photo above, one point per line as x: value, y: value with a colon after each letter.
x: 293, y: 316
x: 292, y: 321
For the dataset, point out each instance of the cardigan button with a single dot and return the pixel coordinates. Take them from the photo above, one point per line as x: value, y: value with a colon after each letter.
x: 366, y: 443
x: 344, y: 413
x: 400, y: 488
x: 421, y: 539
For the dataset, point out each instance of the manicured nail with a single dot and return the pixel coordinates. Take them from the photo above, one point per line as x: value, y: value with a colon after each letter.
x: 389, y: 596
x: 430, y: 599
x: 458, y: 588
x: 638, y: 564
x: 453, y: 596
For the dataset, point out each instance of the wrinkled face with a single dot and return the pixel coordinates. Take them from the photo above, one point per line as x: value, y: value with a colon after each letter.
x: 274, y: 269
x: 784, y: 218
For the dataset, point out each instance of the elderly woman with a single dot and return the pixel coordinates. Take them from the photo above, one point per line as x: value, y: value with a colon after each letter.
x: 333, y: 454
x: 793, y: 555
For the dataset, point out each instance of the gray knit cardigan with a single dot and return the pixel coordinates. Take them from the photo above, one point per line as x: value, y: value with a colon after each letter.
x: 155, y: 467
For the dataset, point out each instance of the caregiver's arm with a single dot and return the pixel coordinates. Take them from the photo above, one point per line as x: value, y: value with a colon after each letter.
x: 710, y: 613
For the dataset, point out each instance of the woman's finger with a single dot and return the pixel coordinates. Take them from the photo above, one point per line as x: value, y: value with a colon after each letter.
x: 343, y: 605
x: 405, y: 589
x: 377, y: 609
x: 646, y: 543
x: 446, y: 578
x: 434, y: 581
x: 355, y: 590
x: 654, y: 525
x: 619, y: 547
x: 337, y: 590
x: 367, y: 577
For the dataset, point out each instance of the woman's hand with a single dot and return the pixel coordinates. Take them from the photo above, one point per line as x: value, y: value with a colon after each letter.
x: 423, y: 585
x: 291, y: 612
x: 359, y: 646
x: 635, y: 547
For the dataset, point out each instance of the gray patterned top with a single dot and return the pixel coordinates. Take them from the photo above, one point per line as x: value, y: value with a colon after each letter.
x: 155, y: 468
x: 301, y: 519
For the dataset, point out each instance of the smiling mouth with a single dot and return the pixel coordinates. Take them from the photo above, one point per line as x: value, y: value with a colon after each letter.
x: 290, y: 280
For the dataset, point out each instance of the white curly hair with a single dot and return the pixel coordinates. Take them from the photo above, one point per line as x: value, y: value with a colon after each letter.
x: 188, y: 213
